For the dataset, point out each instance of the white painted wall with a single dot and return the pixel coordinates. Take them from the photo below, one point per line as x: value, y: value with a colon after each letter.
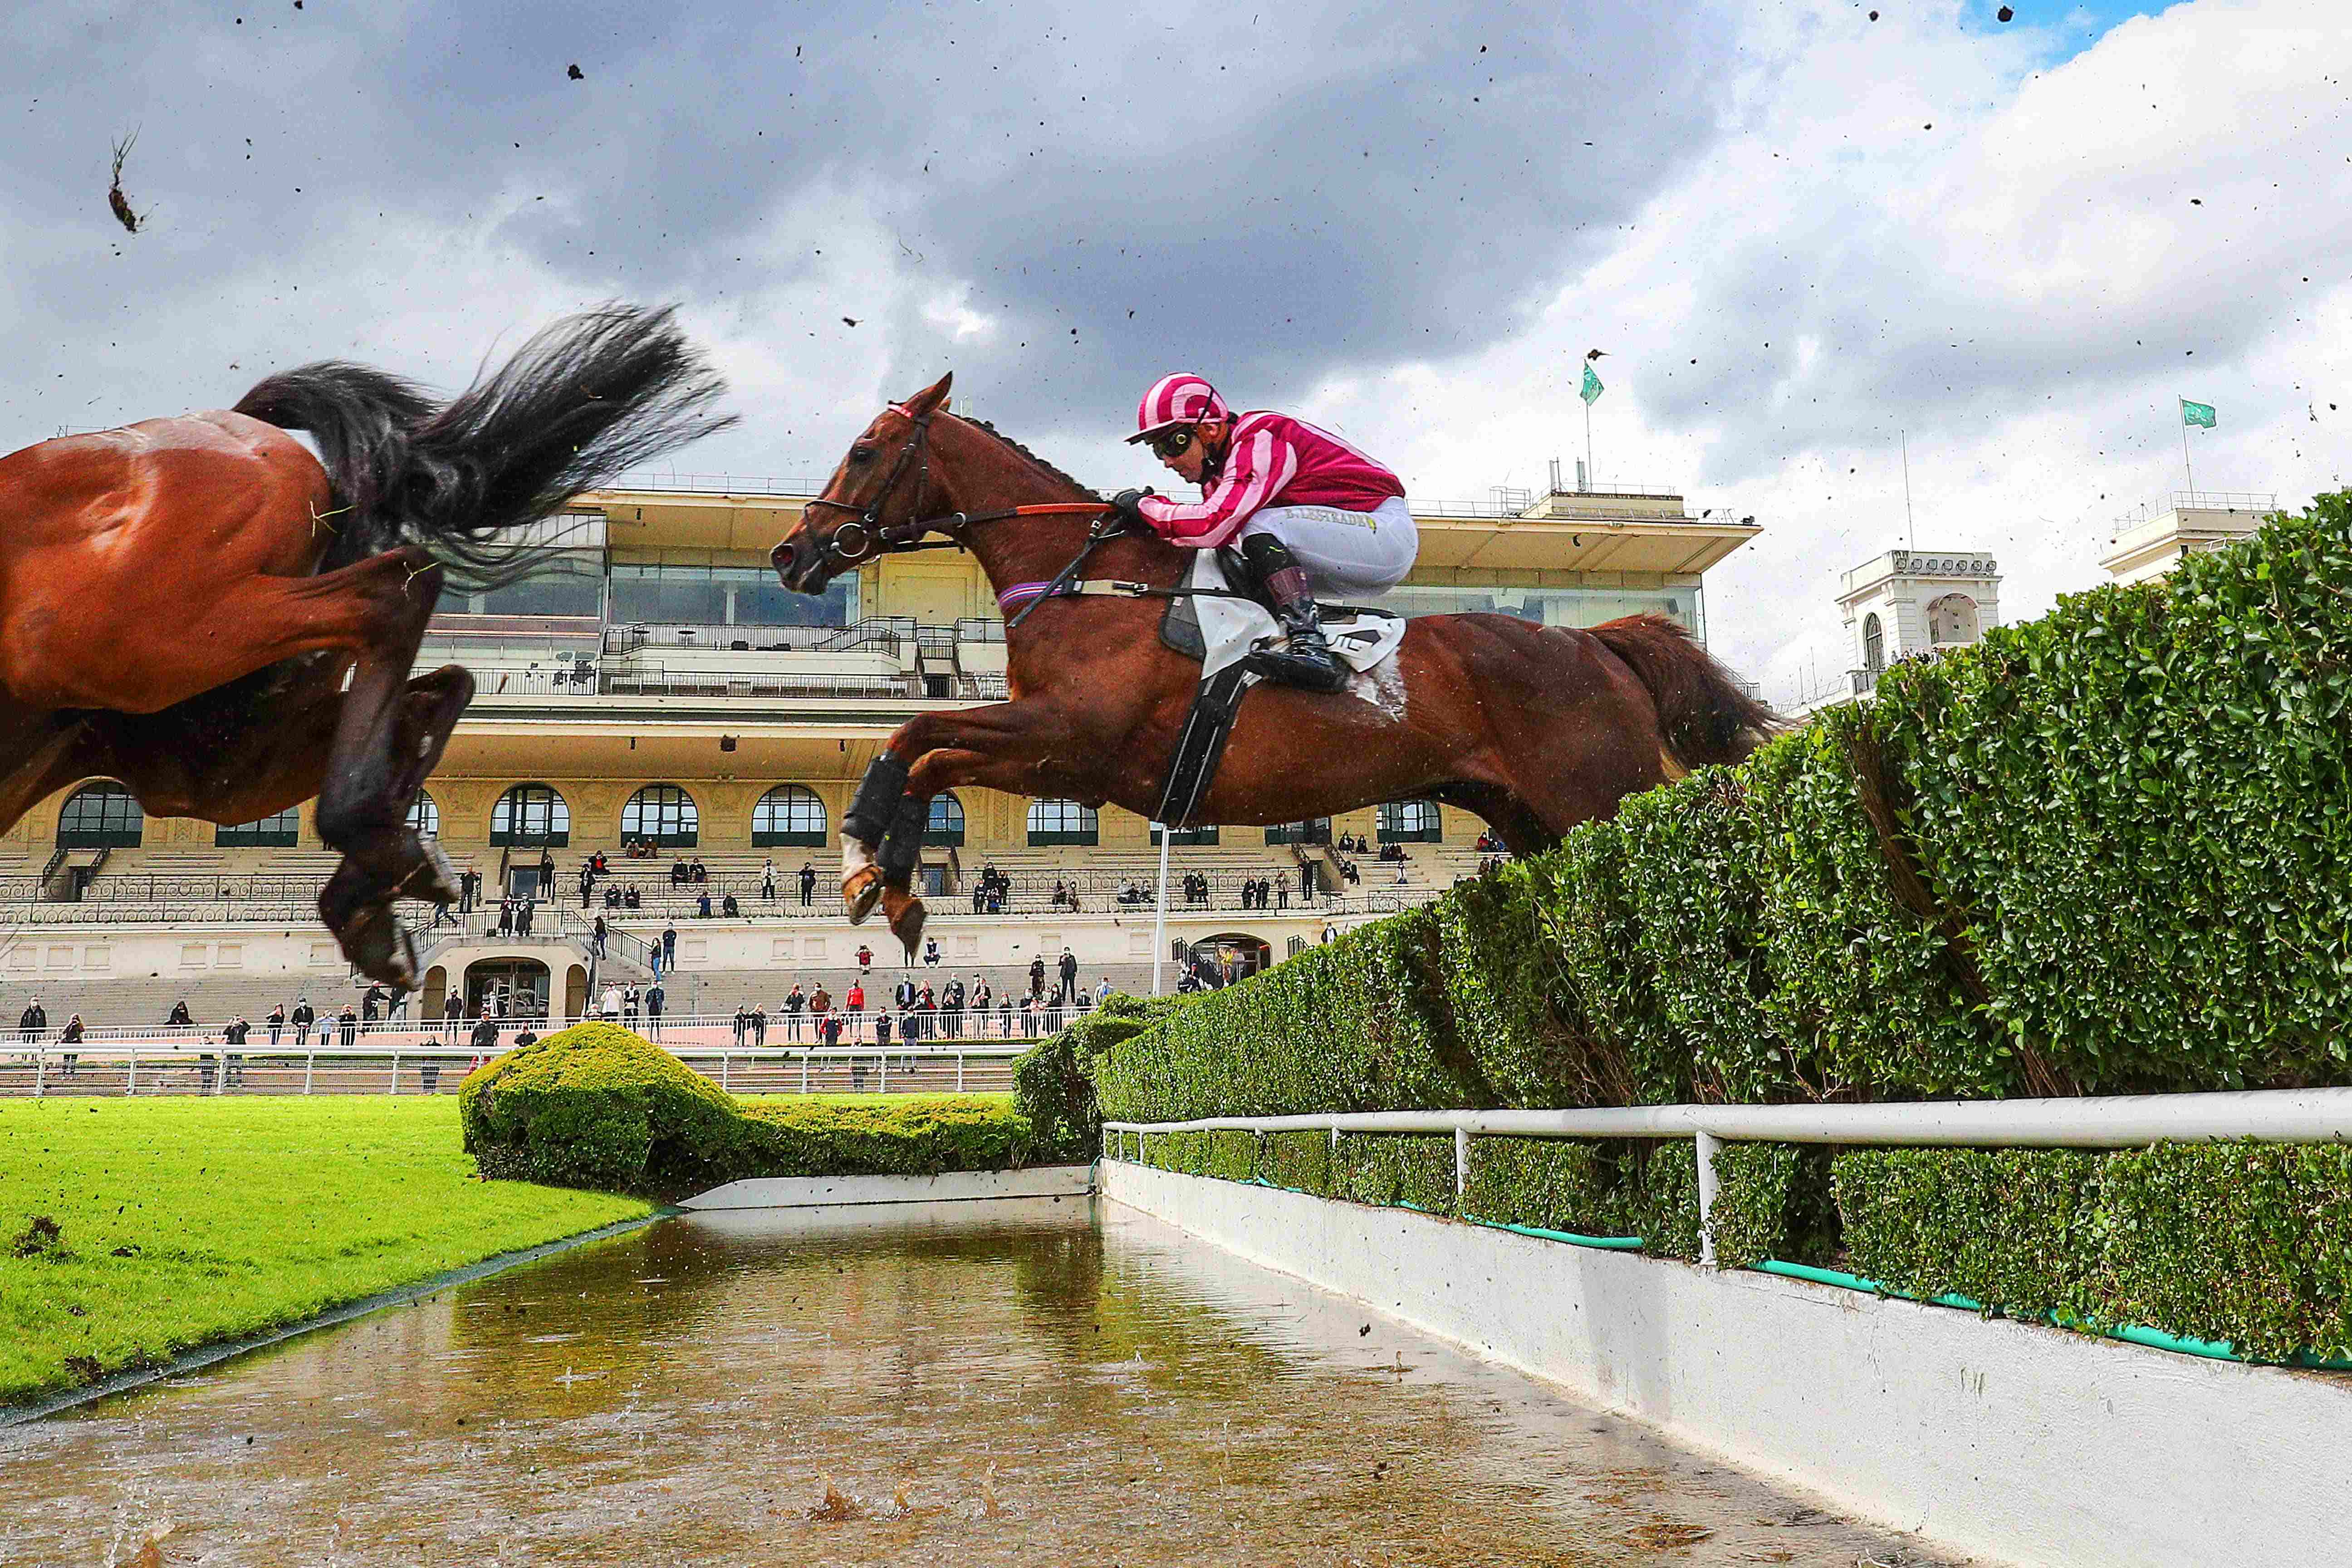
x: 2014, y: 1443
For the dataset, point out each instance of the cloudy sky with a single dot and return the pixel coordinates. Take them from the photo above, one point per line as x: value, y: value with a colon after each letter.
x: 1799, y: 229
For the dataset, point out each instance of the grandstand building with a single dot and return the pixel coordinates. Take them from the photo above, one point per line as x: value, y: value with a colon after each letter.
x: 653, y: 684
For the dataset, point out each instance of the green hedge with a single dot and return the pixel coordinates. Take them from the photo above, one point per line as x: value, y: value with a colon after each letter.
x: 596, y: 1105
x: 1053, y: 1082
x: 2108, y: 851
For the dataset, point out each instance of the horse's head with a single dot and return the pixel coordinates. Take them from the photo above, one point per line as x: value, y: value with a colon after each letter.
x: 874, y: 496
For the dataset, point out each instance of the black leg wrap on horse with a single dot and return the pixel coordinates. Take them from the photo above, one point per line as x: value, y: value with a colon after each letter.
x: 903, y: 845
x: 876, y: 804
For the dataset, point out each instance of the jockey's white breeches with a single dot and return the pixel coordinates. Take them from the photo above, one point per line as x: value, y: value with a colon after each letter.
x: 1358, y: 553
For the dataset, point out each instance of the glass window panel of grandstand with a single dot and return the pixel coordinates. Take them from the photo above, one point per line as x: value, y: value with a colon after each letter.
x: 1062, y: 822
x: 792, y: 815
x: 1550, y: 606
x: 663, y: 813
x: 102, y: 816
x: 531, y: 815
x: 1409, y: 822
x: 278, y: 832
x: 945, y: 825
x: 567, y: 583
x: 659, y: 593
x: 425, y: 817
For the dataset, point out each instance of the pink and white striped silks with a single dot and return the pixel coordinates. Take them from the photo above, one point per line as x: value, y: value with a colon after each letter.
x: 1275, y: 460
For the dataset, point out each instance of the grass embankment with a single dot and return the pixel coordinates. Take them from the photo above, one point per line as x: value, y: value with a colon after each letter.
x: 185, y: 1221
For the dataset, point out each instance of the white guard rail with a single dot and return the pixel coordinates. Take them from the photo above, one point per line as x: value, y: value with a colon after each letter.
x: 2115, y: 1121
x: 208, y: 1068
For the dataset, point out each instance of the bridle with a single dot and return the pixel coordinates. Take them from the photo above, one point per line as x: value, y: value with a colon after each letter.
x: 875, y: 537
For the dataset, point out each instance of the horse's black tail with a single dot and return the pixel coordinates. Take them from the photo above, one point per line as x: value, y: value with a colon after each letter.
x: 584, y: 399
x: 1704, y: 715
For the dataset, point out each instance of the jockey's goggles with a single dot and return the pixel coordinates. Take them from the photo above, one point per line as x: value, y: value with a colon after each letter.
x: 1172, y: 442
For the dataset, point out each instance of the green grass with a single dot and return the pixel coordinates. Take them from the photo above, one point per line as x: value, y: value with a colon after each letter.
x: 235, y: 1215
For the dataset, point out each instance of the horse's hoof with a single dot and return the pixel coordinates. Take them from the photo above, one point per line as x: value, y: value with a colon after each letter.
x: 860, y: 890
x: 379, y: 947
x: 907, y: 917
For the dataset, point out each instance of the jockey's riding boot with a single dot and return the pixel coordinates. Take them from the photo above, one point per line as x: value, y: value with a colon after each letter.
x: 1307, y: 662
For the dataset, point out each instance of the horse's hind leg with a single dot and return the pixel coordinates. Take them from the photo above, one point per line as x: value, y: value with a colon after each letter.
x: 387, y: 739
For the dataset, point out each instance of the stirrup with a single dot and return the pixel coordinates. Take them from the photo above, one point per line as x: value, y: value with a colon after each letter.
x: 1303, y: 671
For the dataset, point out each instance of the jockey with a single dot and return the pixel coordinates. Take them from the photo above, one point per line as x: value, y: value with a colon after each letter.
x: 1308, y: 513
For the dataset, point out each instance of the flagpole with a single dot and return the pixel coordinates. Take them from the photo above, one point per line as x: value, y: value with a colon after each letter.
x: 2185, y: 463
x: 1591, y: 476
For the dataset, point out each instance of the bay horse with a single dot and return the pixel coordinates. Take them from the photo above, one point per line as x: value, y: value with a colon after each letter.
x: 1533, y: 728
x: 183, y: 599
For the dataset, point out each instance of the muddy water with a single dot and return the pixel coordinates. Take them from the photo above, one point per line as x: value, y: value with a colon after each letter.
x: 1024, y: 1383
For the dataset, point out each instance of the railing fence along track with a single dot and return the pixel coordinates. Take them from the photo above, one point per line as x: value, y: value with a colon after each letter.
x: 2118, y: 1121
x: 96, y: 1068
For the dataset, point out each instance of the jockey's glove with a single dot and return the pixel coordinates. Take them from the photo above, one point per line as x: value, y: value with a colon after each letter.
x: 1128, y: 506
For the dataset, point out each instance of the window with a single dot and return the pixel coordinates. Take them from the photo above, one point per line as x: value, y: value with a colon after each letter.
x: 663, y: 813
x: 1409, y: 822
x: 425, y: 817
x: 101, y: 816
x: 278, y: 832
x: 648, y: 592
x: 1062, y: 822
x: 945, y: 825
x: 1873, y: 644
x: 789, y: 814
x: 1317, y: 831
x: 566, y: 584
x: 1186, y: 835
x: 529, y: 815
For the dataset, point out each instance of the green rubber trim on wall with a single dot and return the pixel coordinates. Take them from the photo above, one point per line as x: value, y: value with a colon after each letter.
x: 1607, y: 1243
x: 2131, y: 1333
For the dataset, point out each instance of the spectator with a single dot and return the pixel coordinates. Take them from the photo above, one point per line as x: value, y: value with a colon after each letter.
x: 277, y: 1023
x: 347, y: 1025
x: 677, y: 874
x: 728, y: 907
x: 656, y: 1000
x: 1306, y: 879
x: 882, y: 1028
x: 302, y: 1018
x: 398, y: 1010
x: 669, y: 947
x: 832, y: 1024
x: 1070, y: 968
x: 34, y: 1022
x: 631, y: 1000
x: 820, y: 1006
x: 982, y: 999
x: 1005, y: 1015
x: 768, y: 881
x: 179, y: 1016
x: 702, y: 906
x: 613, y: 898
x: 371, y: 1005
x: 1102, y: 991
x: 854, y: 1002
x: 742, y: 1021
x: 631, y: 897
x: 700, y: 873
x: 587, y: 883
x: 759, y: 1025
x: 484, y: 1037
x: 70, y: 1036
x: 808, y: 883
x: 597, y: 935
x: 793, y: 1004
x: 232, y: 1034
x: 1282, y: 894
x: 1037, y: 975
x: 931, y: 950
x: 865, y: 958
x: 469, y: 886
x: 523, y: 916
x: 951, y: 1004
x: 608, y: 1006
x: 1029, y: 1017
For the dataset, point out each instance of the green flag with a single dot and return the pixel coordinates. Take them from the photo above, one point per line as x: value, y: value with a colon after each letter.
x: 1591, y: 389
x: 2196, y: 413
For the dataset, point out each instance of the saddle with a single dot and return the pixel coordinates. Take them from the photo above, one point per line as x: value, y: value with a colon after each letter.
x: 1218, y: 627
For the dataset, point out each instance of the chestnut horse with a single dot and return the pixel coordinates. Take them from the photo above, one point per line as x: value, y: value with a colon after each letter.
x: 182, y: 600
x: 1533, y: 728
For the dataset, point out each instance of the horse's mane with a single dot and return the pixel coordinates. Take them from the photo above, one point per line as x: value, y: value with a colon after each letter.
x: 1001, y: 436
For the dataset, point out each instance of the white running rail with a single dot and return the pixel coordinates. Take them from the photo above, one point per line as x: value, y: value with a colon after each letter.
x: 2115, y: 1121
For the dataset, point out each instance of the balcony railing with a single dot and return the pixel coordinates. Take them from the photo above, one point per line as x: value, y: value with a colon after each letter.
x: 876, y: 634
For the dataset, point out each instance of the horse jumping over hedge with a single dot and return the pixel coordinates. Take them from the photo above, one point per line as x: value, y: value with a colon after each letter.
x: 181, y: 600
x: 1533, y: 728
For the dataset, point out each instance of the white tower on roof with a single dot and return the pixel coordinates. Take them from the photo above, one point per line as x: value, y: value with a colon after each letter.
x: 1910, y: 603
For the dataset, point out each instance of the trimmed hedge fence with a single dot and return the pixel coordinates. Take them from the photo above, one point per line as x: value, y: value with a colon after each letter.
x: 2106, y: 852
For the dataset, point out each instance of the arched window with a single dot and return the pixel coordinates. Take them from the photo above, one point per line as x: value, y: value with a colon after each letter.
x: 101, y: 816
x: 1316, y: 831
x: 664, y: 814
x: 278, y: 832
x: 1952, y: 621
x: 425, y: 817
x: 529, y: 815
x: 1409, y: 822
x: 945, y: 825
x: 1062, y: 822
x: 789, y: 814
x: 1873, y: 644
x: 1186, y: 835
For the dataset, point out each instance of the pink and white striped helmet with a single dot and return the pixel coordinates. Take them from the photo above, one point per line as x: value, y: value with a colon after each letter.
x: 1182, y: 398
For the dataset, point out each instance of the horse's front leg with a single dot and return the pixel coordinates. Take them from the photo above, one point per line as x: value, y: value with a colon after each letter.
x: 882, y: 833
